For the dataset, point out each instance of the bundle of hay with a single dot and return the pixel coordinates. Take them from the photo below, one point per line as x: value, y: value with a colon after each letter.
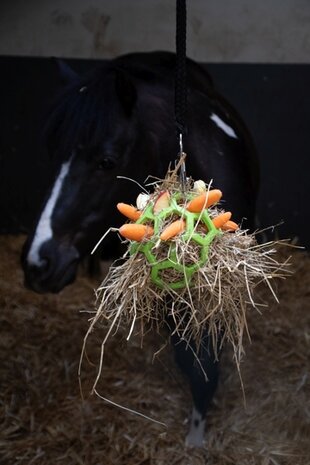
x: 186, y: 260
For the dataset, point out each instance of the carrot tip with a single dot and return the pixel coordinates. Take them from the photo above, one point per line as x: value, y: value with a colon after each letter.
x: 230, y: 226
x: 172, y: 230
x: 136, y: 232
x: 204, y: 200
x: 129, y: 211
x: 221, y: 219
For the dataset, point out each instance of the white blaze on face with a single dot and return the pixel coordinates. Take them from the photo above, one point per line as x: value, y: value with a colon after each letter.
x: 224, y: 126
x: 44, y: 228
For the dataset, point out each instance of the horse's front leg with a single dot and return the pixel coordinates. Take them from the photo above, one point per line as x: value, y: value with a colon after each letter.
x: 202, y: 372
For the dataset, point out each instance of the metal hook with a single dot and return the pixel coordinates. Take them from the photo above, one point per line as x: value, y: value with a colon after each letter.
x: 182, y: 167
x: 181, y: 143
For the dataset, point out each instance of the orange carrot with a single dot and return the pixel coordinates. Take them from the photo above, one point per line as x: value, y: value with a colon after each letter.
x: 221, y: 219
x: 136, y: 232
x: 130, y: 212
x: 173, y: 229
x: 204, y: 200
x: 230, y: 226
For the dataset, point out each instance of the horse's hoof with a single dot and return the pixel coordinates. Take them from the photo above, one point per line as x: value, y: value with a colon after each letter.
x: 195, y: 436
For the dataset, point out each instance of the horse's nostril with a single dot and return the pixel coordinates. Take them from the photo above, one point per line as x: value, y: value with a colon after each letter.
x: 38, y: 269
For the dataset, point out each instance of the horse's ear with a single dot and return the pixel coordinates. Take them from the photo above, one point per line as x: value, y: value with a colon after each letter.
x: 126, y: 90
x: 66, y: 73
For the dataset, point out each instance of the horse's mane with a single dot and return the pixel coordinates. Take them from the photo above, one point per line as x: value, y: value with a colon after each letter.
x: 77, y: 116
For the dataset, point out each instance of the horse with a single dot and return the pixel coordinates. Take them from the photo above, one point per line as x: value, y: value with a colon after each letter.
x: 117, y: 122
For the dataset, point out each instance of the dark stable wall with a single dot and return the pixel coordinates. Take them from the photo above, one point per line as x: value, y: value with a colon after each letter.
x: 274, y: 101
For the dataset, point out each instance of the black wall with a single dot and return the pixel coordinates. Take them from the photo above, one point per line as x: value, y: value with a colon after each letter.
x: 274, y: 101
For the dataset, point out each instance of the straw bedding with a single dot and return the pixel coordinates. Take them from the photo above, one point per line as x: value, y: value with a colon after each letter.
x: 44, y: 421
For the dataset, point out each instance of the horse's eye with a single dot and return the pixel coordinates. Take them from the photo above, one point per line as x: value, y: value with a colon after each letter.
x: 106, y: 164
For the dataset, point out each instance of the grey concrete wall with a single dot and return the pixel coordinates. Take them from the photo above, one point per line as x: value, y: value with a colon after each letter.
x: 218, y: 30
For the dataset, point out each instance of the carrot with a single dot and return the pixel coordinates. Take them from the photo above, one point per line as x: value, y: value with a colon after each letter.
x: 230, y: 226
x: 130, y: 212
x: 136, y: 232
x: 204, y: 200
x: 221, y: 219
x: 173, y: 229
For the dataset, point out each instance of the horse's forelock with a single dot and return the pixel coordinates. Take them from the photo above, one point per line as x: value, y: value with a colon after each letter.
x: 81, y: 113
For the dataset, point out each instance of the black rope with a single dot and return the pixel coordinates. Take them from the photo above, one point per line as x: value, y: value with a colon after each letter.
x: 181, y: 85
x: 180, y: 79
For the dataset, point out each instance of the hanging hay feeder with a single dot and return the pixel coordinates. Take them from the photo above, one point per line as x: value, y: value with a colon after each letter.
x: 188, y: 261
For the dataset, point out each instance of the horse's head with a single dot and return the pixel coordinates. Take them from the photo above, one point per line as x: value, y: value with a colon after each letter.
x: 94, y: 135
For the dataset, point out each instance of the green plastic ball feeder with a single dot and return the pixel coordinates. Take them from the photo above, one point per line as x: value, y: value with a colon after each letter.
x: 191, y: 233
x: 188, y: 260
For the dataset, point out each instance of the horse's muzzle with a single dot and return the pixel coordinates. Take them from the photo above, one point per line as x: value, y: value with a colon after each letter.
x: 55, y: 267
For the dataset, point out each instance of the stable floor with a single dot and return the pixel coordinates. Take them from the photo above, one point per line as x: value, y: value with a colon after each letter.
x: 44, y: 420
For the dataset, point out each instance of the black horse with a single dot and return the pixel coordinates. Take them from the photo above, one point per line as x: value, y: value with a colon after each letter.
x: 119, y: 121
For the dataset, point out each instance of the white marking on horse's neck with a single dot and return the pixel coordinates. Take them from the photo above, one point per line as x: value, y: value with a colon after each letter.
x: 44, y: 230
x: 224, y: 126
